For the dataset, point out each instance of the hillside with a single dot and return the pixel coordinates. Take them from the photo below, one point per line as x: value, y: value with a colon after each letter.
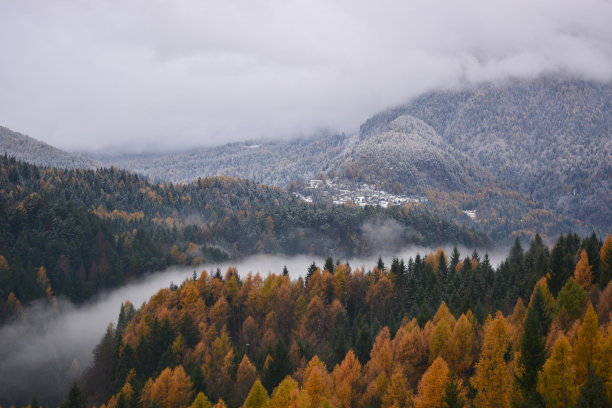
x: 550, y: 139
x: 33, y: 151
x: 91, y: 230
x: 274, y: 163
x: 351, y: 337
x: 409, y: 156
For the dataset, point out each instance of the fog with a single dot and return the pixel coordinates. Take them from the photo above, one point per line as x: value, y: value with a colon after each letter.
x: 49, y: 346
x: 141, y: 75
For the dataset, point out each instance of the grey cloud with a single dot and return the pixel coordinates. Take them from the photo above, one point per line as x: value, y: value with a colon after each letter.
x: 90, y: 75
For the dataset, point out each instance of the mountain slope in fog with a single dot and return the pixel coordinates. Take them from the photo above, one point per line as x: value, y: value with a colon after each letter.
x: 33, y: 151
x: 409, y: 156
x: 550, y: 139
x: 274, y: 163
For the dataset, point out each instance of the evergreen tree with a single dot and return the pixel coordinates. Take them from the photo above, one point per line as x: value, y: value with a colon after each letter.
x: 380, y: 264
x: 329, y: 264
x: 75, y: 397
x: 452, y: 393
x: 531, y: 360
x: 363, y: 343
x: 311, y: 269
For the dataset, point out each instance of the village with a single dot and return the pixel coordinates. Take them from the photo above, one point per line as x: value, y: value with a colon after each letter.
x: 340, y: 193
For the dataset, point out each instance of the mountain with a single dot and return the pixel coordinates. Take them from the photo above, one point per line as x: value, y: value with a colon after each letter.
x: 550, y: 138
x: 520, y: 157
x: 33, y: 151
x: 274, y: 163
x: 410, y: 156
x: 544, y: 145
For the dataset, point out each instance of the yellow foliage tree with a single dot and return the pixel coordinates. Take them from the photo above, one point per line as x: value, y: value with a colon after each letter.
x: 172, y: 389
x: 346, y: 379
x: 583, y: 273
x: 587, y: 347
x: 245, y: 378
x: 201, y: 401
x: 257, y: 398
x: 492, y: 379
x: 397, y: 394
x: 462, y: 347
x: 556, y: 380
x: 316, y: 384
x: 282, y: 394
x: 432, y: 385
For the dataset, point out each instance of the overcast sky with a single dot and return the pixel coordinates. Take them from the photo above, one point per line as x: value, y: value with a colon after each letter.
x: 142, y: 75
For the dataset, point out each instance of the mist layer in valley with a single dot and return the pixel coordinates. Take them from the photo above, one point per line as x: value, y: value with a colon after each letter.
x: 49, y: 346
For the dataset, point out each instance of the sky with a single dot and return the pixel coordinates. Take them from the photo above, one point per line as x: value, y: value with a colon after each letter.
x: 152, y: 75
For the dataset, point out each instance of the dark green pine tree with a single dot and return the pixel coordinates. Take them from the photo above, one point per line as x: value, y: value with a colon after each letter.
x: 189, y: 330
x: 280, y: 367
x: 311, y: 269
x: 539, y: 305
x: 452, y: 394
x: 380, y: 264
x: 561, y: 266
x: 338, y: 340
x: 531, y: 360
x: 285, y: 271
x: 329, y: 264
x: 454, y: 260
x: 75, y: 397
x: 363, y: 343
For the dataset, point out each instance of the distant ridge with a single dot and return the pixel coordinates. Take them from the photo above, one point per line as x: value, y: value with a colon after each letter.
x: 33, y: 151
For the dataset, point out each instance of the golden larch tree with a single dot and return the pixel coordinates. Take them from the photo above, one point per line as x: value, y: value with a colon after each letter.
x: 583, y: 273
x: 346, y: 379
x: 245, y: 378
x: 316, y: 384
x: 587, y: 347
x: 556, y: 380
x: 492, y: 379
x: 257, y: 398
x: 432, y: 385
x: 282, y: 394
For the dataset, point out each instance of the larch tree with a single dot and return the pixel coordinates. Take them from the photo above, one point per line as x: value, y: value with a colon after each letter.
x: 245, y: 378
x: 432, y: 385
x: 346, y: 378
x: 281, y: 396
x: 257, y: 398
x: 556, y: 380
x: 583, y: 272
x: 462, y: 346
x: 172, y: 389
x: 316, y: 384
x: 492, y: 379
x: 586, y: 351
x: 201, y: 401
x: 397, y: 393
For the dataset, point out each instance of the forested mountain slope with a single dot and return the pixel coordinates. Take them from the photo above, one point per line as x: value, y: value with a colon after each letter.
x: 409, y: 156
x: 550, y: 139
x: 90, y: 230
x: 33, y: 151
x: 274, y: 163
